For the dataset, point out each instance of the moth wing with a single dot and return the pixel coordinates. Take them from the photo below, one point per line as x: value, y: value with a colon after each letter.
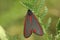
x: 37, y: 29
x: 27, y: 27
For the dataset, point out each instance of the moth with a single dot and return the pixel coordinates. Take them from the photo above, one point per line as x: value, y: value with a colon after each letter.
x: 32, y: 24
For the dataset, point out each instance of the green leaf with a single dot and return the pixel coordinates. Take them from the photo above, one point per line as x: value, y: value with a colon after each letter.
x: 34, y: 5
x: 58, y: 25
x: 3, y: 35
x: 44, y: 13
x: 48, y: 22
x: 57, y: 37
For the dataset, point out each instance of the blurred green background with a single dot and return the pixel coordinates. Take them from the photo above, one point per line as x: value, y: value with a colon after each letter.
x: 13, y: 12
